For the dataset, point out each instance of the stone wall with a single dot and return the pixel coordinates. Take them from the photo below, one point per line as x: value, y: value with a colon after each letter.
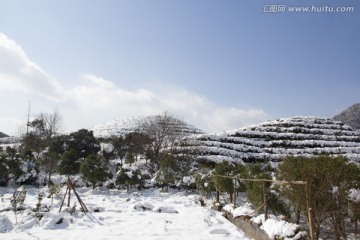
x: 251, y: 229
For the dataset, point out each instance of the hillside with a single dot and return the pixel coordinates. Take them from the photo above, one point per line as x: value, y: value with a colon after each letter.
x: 275, y: 140
x: 121, y: 127
x: 6, y: 140
x: 350, y: 116
x: 3, y: 135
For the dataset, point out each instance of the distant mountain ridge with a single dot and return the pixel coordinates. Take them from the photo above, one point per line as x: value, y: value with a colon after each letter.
x: 350, y: 116
x: 306, y: 136
x: 273, y: 141
x: 3, y: 135
x: 121, y: 127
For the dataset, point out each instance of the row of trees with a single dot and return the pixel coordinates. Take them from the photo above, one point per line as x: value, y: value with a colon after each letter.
x: 44, y: 149
x: 329, y: 181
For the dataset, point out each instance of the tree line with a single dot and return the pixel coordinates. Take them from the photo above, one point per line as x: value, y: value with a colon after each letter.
x: 44, y: 149
x: 148, y: 153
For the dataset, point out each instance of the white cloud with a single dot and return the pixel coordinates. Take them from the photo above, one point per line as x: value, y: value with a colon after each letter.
x: 18, y: 72
x: 223, y: 119
x: 95, y: 100
x: 102, y: 101
x: 11, y: 126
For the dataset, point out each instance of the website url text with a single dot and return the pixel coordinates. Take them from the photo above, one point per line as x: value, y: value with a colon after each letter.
x: 272, y: 8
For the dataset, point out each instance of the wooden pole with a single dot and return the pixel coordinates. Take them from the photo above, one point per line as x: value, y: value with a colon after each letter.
x: 82, y: 204
x: 265, y: 203
x: 70, y: 187
x: 311, y: 224
x: 356, y: 226
x: 264, y: 180
x: 234, y: 193
x: 68, y: 183
x: 63, y: 200
x: 217, y: 191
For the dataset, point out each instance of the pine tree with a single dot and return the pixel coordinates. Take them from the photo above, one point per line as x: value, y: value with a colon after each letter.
x: 70, y: 164
x: 329, y: 180
x: 94, y: 169
x: 167, y: 172
x: 129, y: 175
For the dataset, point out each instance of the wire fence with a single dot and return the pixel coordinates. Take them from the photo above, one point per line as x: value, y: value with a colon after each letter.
x: 264, y: 205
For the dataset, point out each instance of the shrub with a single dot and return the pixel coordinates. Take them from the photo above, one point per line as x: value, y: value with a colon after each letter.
x: 129, y: 175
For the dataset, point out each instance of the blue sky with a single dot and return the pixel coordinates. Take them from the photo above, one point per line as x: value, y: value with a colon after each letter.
x: 216, y: 64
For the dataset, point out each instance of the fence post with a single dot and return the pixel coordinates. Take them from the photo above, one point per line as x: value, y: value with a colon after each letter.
x: 311, y: 224
x: 265, y: 203
x: 234, y: 192
x: 217, y: 191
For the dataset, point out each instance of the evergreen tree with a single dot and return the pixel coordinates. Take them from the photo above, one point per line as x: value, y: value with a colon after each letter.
x: 329, y: 180
x: 167, y: 172
x: 49, y: 161
x: 59, y: 144
x: 83, y: 143
x: 205, y: 181
x: 256, y: 190
x: 119, y: 147
x: 70, y: 164
x: 223, y: 184
x: 94, y: 169
x: 10, y: 165
x: 136, y: 144
x: 129, y: 175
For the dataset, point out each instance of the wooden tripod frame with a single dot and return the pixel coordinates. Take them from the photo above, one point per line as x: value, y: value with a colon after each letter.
x: 70, y: 186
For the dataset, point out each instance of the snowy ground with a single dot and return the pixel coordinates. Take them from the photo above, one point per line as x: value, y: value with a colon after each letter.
x: 174, y: 215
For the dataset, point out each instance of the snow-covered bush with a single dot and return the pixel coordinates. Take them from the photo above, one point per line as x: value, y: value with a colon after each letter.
x: 129, y: 175
x: 30, y: 171
x: 205, y: 183
x: 17, y: 167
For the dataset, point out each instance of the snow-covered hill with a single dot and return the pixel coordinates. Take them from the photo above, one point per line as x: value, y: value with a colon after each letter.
x: 121, y: 127
x: 275, y: 140
x: 350, y: 116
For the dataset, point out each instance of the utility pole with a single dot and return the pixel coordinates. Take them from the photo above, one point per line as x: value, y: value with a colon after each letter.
x: 28, y: 120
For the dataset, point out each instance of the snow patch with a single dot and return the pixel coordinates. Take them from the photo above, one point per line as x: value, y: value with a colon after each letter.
x: 5, y: 224
x: 354, y: 195
x: 279, y: 228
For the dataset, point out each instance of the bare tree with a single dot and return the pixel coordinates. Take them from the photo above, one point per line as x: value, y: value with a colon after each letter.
x: 163, y: 131
x: 49, y: 125
x: 41, y: 131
